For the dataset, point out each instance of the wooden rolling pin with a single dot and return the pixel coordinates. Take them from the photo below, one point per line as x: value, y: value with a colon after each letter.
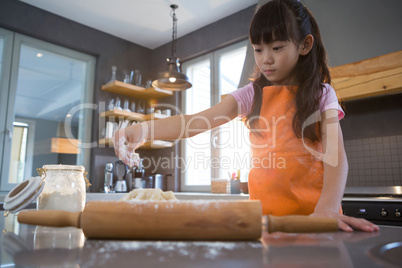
x: 175, y: 220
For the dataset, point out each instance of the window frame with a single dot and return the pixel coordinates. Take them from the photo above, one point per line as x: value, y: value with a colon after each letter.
x: 9, y: 90
x: 215, y: 87
x: 7, y: 53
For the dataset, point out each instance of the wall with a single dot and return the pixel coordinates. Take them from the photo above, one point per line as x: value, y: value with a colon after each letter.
x: 353, y: 31
x: 358, y: 29
x: 372, y: 132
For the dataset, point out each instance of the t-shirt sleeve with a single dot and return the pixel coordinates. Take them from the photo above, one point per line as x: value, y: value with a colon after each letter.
x: 244, y: 97
x: 329, y: 101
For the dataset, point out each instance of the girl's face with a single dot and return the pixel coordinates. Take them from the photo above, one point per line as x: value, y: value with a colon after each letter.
x: 277, y: 60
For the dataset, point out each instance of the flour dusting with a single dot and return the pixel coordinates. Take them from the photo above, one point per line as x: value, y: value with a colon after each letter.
x: 161, y: 250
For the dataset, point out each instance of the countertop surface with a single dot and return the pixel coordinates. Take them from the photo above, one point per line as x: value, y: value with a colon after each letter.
x: 180, y: 195
x: 34, y: 246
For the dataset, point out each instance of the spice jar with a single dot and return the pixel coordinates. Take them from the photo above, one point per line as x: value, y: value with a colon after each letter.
x: 64, y: 189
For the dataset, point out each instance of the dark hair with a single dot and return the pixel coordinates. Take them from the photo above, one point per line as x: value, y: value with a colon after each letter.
x: 290, y: 20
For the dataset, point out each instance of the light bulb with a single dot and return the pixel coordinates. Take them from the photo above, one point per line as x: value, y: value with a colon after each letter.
x: 172, y: 79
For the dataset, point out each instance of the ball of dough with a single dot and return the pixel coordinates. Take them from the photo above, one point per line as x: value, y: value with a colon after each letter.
x: 148, y: 194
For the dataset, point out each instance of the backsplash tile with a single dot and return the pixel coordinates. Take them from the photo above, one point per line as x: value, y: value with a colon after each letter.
x: 374, y: 162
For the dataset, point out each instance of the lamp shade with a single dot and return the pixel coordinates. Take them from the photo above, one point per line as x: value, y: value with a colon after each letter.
x: 172, y: 79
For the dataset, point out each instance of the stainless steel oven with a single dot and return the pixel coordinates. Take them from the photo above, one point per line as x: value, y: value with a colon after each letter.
x: 381, y: 205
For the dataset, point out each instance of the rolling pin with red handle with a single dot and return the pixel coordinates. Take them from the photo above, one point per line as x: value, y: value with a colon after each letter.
x: 175, y: 220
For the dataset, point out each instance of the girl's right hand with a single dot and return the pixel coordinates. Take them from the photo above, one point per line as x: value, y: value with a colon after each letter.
x: 127, y: 140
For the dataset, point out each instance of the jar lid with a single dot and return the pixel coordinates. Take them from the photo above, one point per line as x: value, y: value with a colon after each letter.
x: 63, y: 167
x: 23, y: 194
x: 42, y: 171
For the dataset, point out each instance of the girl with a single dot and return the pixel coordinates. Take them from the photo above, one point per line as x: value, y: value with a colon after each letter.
x: 292, y: 112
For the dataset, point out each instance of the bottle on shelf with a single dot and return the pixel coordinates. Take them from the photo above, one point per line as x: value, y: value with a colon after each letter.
x: 139, y: 176
x: 114, y: 69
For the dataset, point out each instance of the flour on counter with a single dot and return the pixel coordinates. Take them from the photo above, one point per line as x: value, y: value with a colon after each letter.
x: 208, y: 250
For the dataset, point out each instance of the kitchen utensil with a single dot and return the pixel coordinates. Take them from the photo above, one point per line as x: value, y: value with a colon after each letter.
x: 139, y: 173
x: 159, y: 181
x: 121, y: 171
x: 121, y: 186
x: 129, y: 180
x: 138, y: 183
x: 149, y: 183
x: 176, y: 220
x: 108, y: 184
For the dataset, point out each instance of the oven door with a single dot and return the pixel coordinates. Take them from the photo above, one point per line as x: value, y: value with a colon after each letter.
x: 380, y: 205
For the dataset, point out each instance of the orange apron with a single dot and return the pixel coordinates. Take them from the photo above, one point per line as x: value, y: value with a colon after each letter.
x: 285, y: 177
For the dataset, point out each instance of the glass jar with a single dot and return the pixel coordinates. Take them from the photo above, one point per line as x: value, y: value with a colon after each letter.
x: 65, y: 188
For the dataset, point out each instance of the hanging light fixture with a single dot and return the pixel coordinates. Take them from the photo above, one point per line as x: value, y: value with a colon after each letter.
x: 172, y: 79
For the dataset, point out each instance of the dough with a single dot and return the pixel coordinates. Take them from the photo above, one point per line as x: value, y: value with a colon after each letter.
x: 148, y: 194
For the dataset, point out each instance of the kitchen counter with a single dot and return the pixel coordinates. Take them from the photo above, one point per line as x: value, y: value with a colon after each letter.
x: 33, y: 246
x: 179, y: 195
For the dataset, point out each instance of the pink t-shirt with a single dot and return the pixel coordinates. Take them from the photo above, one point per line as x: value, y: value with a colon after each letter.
x: 244, y: 97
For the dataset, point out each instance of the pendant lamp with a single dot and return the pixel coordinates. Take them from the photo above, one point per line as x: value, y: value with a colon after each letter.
x: 172, y: 79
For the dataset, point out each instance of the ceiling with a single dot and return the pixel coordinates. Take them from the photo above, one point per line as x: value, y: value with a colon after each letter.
x: 144, y: 22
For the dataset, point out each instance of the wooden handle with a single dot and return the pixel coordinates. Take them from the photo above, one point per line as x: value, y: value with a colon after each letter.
x: 301, y: 224
x: 173, y: 220
x: 53, y: 218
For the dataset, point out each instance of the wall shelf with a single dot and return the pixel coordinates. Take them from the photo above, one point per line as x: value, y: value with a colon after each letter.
x: 148, y: 145
x: 122, y: 114
x: 118, y: 87
x: 135, y: 91
x: 371, y: 77
x: 131, y: 116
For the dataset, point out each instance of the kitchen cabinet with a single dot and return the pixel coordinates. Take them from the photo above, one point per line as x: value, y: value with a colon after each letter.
x: 140, y: 93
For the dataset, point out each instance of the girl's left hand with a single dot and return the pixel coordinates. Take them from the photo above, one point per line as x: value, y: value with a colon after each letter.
x: 348, y: 224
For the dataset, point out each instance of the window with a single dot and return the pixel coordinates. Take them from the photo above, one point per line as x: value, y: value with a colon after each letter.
x: 21, y: 150
x: 213, y: 154
x: 40, y: 94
